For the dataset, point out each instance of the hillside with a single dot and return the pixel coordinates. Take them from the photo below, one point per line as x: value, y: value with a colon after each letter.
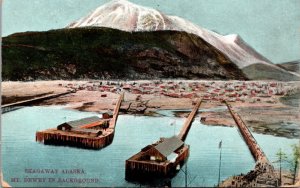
x: 292, y: 66
x: 103, y: 53
x: 264, y: 72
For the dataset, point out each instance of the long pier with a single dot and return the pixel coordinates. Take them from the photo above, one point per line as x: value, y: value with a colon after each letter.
x: 255, y: 149
x: 13, y: 106
x: 113, y: 122
x: 188, y: 122
x: 263, y: 174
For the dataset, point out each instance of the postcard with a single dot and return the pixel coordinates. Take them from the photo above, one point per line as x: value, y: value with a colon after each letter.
x: 150, y: 93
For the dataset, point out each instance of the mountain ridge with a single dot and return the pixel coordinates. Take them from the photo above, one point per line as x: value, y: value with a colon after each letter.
x: 105, y: 53
x: 127, y: 16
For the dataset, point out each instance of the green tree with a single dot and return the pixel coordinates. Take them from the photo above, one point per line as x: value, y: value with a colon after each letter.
x: 295, y: 161
x: 281, y: 156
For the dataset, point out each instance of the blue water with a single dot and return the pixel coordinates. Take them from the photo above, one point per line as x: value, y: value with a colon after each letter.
x: 20, y: 151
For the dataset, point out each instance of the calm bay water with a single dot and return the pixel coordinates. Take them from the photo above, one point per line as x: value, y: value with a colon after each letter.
x: 20, y: 151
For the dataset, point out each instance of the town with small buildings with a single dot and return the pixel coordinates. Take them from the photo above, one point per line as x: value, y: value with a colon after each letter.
x: 234, y: 91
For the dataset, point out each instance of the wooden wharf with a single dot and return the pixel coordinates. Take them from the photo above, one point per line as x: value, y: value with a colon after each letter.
x: 263, y: 174
x: 188, y: 122
x: 113, y: 121
x: 163, y: 159
x: 60, y: 137
x: 255, y: 149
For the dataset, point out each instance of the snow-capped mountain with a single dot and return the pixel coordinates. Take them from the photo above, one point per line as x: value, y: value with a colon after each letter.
x: 126, y: 16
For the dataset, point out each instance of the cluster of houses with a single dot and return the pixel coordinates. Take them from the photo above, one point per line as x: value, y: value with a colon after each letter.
x: 245, y: 91
x: 252, y: 91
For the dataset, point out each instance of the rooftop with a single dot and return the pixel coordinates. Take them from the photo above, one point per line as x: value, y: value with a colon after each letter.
x: 86, y: 130
x: 84, y: 121
x: 169, y: 145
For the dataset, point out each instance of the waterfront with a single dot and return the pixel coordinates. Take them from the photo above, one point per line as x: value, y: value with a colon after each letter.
x: 20, y: 151
x: 273, y: 118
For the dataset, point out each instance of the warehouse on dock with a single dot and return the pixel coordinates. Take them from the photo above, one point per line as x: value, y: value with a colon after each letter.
x: 165, y: 150
x: 71, y: 125
x: 90, y: 132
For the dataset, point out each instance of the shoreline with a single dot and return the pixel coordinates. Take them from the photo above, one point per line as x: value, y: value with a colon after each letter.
x: 262, y: 117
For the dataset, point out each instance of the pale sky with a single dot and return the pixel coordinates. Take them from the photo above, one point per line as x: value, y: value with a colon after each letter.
x: 272, y: 27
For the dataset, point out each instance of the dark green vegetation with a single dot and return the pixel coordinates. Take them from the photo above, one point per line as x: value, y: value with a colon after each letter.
x: 103, y: 53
